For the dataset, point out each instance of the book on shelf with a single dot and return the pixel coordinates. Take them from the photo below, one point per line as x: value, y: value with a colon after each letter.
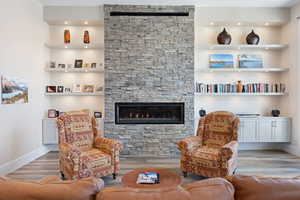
x: 240, y: 88
x: 148, y: 178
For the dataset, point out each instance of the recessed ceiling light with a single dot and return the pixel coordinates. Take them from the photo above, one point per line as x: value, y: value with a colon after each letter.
x: 267, y: 24
x: 66, y: 47
x: 66, y: 23
x: 86, y: 22
x: 85, y: 46
x: 211, y: 23
x: 239, y: 23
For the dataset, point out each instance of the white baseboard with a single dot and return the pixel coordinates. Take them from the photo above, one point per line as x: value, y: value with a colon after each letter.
x: 21, y: 161
x: 292, y: 149
x: 260, y: 146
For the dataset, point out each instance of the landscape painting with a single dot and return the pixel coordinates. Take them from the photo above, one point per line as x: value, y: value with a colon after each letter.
x: 13, y: 91
x: 250, y: 61
x: 221, y: 61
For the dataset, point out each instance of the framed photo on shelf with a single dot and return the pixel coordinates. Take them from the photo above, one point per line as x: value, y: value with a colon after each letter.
x: 61, y: 66
x: 67, y: 90
x: 97, y: 114
x: 60, y: 89
x: 218, y: 61
x: 52, y: 113
x: 51, y: 89
x: 70, y: 66
x: 78, y: 63
x: 87, y: 65
x: 76, y: 88
x: 99, y: 88
x: 88, y: 88
x: 250, y: 61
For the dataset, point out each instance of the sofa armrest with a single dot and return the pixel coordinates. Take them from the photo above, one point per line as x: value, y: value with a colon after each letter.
x: 190, y: 144
x: 229, y: 149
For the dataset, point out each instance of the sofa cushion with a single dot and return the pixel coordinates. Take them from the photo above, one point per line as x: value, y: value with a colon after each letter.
x: 210, y: 189
x: 262, y: 188
x: 49, y: 189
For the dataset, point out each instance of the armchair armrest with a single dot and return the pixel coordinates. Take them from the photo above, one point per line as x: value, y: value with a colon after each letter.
x: 190, y: 144
x: 229, y: 149
x: 109, y: 146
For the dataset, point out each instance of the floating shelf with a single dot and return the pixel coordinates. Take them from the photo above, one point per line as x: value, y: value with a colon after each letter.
x: 75, y: 70
x: 242, y: 94
x: 243, y: 23
x: 75, y: 94
x: 246, y: 47
x: 246, y: 70
x: 75, y: 22
x: 75, y: 46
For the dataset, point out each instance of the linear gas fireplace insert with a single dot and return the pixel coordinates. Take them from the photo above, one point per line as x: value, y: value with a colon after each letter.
x: 149, y: 113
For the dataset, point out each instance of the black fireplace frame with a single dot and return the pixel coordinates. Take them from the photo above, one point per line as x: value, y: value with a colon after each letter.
x: 157, y: 104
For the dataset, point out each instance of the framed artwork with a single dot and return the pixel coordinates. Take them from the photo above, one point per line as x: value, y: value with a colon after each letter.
x: 67, y: 90
x: 250, y: 61
x: 78, y: 63
x: 13, y: 91
x: 87, y: 65
x: 52, y: 113
x: 88, y: 88
x: 76, y: 88
x: 97, y: 114
x: 94, y: 65
x: 221, y: 61
x: 51, y: 89
x: 98, y: 88
x: 60, y: 89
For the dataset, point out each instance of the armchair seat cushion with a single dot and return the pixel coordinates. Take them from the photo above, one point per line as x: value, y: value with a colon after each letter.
x: 207, y: 153
x: 93, y: 162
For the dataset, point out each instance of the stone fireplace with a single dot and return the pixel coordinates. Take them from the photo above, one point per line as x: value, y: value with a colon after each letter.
x: 149, y: 77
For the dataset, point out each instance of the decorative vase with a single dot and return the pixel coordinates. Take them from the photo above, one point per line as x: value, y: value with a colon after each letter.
x: 202, y: 112
x: 239, y: 86
x: 67, y: 37
x: 86, y: 37
x: 275, y: 113
x: 252, y: 38
x: 224, y: 37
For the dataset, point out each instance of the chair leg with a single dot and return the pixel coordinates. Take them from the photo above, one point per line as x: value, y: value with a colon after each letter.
x: 114, y: 176
x: 62, y: 175
x: 184, y: 174
x: 234, y: 172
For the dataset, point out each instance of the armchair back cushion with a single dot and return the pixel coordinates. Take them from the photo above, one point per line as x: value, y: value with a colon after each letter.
x: 78, y: 129
x: 218, y: 128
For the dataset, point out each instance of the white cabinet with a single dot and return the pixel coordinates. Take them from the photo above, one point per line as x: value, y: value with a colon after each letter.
x: 50, y: 132
x: 265, y: 129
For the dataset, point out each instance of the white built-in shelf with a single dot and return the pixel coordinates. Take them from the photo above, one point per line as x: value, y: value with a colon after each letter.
x: 76, y: 22
x: 245, y: 47
x: 75, y: 46
x: 242, y: 94
x: 75, y: 94
x: 275, y: 69
x: 243, y: 23
x: 75, y: 70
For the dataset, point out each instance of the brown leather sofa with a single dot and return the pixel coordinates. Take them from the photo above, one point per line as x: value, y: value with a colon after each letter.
x: 236, y: 187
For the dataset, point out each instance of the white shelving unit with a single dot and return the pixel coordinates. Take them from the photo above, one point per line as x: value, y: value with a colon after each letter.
x: 75, y: 94
x: 242, y: 94
x: 265, y: 69
x: 75, y: 70
x: 245, y: 47
x: 75, y: 46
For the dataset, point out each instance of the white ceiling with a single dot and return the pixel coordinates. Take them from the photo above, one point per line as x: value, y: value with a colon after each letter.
x: 205, y: 3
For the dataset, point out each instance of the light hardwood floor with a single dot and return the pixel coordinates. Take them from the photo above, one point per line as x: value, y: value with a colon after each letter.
x: 267, y: 163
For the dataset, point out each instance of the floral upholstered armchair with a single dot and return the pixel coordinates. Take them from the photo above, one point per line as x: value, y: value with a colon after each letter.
x: 83, y: 151
x: 213, y: 152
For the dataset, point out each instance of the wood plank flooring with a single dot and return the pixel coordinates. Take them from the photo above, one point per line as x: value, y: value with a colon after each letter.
x: 267, y: 163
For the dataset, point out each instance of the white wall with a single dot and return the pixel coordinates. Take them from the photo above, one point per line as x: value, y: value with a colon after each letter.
x: 22, y: 55
x: 290, y: 34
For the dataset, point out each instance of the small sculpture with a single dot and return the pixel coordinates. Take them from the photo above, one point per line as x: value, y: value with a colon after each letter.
x: 224, y: 37
x: 252, y: 38
x: 86, y: 37
x: 67, y: 37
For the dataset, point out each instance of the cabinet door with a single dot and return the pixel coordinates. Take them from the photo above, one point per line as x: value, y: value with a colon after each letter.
x: 265, y: 130
x: 281, y: 131
x: 50, y: 133
x: 248, y: 130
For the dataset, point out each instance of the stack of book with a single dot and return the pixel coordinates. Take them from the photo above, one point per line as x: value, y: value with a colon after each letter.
x: 242, y: 88
x: 148, y: 178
